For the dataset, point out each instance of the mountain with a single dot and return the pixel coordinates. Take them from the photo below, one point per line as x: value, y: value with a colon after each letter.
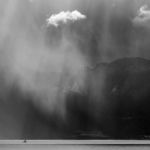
x: 117, y: 102
x: 128, y: 85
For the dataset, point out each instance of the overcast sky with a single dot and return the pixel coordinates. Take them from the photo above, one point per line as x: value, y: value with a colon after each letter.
x: 36, y: 54
x: 109, y: 32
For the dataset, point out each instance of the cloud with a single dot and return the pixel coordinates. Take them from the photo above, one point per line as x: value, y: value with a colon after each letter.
x: 64, y: 17
x: 143, y: 17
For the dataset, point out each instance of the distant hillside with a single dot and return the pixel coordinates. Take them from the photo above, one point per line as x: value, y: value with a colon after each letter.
x: 117, y: 102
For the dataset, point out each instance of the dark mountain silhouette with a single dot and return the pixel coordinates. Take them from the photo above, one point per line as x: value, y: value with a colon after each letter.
x: 127, y: 83
x: 117, y: 102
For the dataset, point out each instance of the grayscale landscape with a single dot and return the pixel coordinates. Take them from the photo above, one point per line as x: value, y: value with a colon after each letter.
x: 74, y: 69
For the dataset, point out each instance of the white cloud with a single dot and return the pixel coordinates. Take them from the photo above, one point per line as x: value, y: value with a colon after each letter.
x: 64, y: 17
x: 143, y: 17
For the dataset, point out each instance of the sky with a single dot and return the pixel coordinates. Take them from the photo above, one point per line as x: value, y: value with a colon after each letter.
x: 110, y: 30
x: 46, y: 60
